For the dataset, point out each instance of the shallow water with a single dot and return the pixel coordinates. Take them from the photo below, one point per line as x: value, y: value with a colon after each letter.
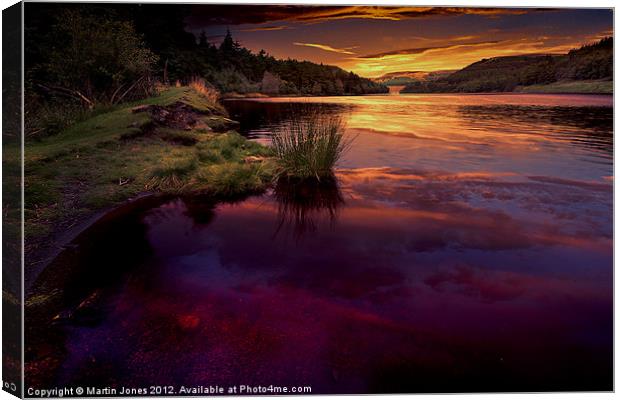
x: 467, y: 247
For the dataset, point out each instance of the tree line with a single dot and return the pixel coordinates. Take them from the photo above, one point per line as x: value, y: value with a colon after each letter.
x: 87, y: 55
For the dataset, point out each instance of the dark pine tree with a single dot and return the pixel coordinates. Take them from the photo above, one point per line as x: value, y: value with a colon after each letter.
x: 228, y: 44
x: 202, y: 40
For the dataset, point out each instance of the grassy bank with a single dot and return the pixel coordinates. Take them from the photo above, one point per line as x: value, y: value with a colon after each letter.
x: 178, y: 142
x: 585, y: 87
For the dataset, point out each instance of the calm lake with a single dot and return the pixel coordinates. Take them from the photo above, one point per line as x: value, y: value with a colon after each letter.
x: 466, y: 247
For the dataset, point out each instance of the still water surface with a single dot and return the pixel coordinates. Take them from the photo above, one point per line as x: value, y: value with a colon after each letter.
x: 467, y: 247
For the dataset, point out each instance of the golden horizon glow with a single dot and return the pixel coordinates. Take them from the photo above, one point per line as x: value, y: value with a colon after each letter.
x: 372, y: 41
x: 452, y: 57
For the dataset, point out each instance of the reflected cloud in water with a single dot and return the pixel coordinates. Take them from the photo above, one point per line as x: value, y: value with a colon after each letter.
x: 586, y: 127
x: 474, y: 252
x: 523, y: 134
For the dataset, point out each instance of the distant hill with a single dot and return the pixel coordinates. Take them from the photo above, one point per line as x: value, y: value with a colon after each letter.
x: 408, y: 77
x: 592, y: 62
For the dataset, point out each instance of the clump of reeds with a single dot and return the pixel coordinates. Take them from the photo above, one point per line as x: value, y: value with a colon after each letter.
x: 204, y: 89
x: 308, y: 147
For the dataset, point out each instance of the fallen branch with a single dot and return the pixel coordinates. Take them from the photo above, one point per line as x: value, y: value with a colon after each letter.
x: 69, y: 92
x: 115, y: 93
x: 129, y: 89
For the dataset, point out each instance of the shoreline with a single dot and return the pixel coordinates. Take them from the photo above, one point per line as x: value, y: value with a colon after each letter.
x: 176, y: 143
x: 61, y: 241
x: 257, y: 98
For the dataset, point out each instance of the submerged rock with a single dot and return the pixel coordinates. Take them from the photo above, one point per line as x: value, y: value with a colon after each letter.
x: 222, y: 124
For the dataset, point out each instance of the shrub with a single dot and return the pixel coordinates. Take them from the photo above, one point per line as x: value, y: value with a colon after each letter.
x: 309, y: 147
x: 50, y: 119
x: 94, y: 58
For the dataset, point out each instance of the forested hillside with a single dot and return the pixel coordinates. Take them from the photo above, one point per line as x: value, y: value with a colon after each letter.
x: 79, y: 58
x: 504, y: 74
x: 233, y: 68
x: 410, y: 77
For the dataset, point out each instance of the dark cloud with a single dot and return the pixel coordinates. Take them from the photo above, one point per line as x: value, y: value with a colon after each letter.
x: 203, y: 15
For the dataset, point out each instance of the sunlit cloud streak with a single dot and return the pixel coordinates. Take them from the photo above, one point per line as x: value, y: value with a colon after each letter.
x: 419, y: 50
x: 326, y: 47
x: 600, y: 35
x: 266, y: 28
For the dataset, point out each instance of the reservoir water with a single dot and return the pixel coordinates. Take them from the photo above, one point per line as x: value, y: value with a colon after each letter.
x: 467, y: 246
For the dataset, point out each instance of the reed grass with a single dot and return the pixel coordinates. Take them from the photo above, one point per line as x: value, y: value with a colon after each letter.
x: 204, y: 89
x: 304, y: 204
x: 308, y: 147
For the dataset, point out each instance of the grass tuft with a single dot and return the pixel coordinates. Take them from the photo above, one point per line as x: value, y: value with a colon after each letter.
x: 171, y: 173
x: 309, y: 147
x: 231, y: 179
x: 202, y: 88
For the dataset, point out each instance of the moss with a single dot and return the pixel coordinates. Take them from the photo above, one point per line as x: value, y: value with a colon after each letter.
x: 114, y: 156
x: 40, y: 191
x: 231, y: 179
x: 171, y: 173
x: 184, y: 138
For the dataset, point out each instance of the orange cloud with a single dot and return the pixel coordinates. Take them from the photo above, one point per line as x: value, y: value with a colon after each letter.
x: 600, y: 35
x: 449, y: 57
x: 419, y: 50
x: 266, y: 28
x: 432, y: 41
x: 326, y: 47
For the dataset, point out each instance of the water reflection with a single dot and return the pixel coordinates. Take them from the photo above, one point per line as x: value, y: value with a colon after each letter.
x: 304, y: 204
x: 587, y: 127
x: 257, y: 121
x: 473, y: 253
x: 429, y: 282
x: 524, y: 134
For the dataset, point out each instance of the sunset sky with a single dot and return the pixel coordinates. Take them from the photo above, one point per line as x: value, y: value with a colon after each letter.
x: 373, y: 41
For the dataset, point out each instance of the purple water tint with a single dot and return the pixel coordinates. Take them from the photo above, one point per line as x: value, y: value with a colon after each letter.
x: 469, y: 249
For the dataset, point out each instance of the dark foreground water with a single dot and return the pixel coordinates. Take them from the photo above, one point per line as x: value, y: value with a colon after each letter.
x: 466, y: 247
